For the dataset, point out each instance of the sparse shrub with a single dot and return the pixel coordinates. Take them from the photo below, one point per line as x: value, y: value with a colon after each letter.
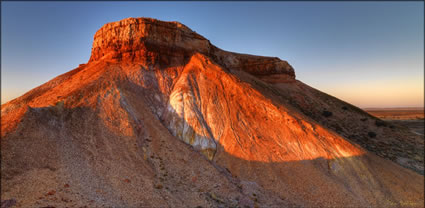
x: 337, y: 128
x: 344, y: 108
x: 371, y: 134
x: 363, y: 119
x: 326, y: 113
x: 380, y: 123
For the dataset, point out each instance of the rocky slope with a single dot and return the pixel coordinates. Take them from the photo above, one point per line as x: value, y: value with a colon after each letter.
x: 159, y: 117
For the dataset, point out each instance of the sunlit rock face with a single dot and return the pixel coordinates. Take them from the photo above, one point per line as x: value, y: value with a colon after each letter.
x: 161, y: 117
x: 158, y: 45
x: 131, y: 37
x: 167, y: 43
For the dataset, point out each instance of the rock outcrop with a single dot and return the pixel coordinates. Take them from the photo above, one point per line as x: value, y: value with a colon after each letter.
x: 161, y: 117
x: 172, y: 43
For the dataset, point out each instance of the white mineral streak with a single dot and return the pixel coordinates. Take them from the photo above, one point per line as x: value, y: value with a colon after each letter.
x: 188, y: 125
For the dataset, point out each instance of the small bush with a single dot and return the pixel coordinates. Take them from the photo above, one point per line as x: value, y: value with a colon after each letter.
x: 344, y: 108
x: 380, y: 123
x: 363, y: 119
x: 326, y: 113
x: 371, y: 134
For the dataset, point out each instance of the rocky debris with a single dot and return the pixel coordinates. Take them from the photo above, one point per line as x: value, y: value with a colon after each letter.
x: 8, y: 203
x: 193, y: 125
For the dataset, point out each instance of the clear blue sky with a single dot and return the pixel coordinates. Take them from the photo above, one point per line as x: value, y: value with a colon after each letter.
x: 367, y: 53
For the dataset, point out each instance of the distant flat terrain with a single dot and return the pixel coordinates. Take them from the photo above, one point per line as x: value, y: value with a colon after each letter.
x: 412, y: 118
x: 397, y: 113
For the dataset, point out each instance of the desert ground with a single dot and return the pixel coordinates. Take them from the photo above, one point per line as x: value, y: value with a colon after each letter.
x: 412, y: 118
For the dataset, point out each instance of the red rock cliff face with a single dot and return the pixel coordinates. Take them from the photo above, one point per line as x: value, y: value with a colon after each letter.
x: 168, y: 43
x: 133, y: 38
x: 161, y: 117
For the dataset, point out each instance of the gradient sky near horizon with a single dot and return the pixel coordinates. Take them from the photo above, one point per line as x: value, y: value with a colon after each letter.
x: 370, y: 54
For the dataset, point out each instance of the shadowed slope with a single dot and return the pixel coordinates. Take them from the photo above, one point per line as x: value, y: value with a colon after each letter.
x: 386, y: 140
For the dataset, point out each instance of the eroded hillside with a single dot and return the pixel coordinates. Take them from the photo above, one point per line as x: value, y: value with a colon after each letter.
x: 159, y: 117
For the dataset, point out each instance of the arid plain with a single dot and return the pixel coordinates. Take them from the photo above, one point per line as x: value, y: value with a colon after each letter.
x: 412, y: 118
